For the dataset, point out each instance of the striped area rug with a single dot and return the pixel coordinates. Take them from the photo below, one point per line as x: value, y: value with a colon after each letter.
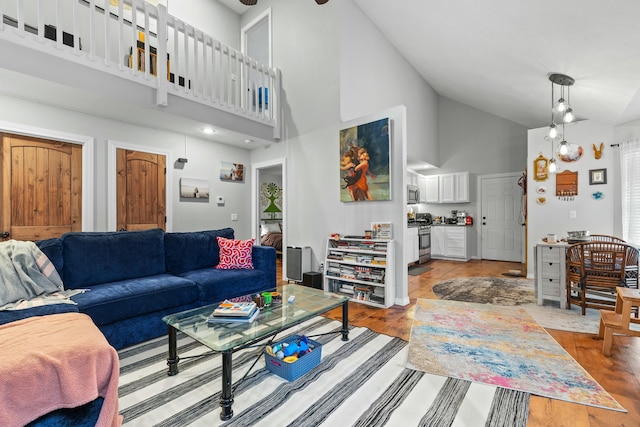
x: 362, y: 382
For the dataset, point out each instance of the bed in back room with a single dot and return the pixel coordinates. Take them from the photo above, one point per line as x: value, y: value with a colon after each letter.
x: 271, y: 234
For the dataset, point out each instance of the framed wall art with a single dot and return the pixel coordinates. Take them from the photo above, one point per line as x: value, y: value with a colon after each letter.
x: 365, y: 162
x: 597, y: 176
x: 540, y: 165
x: 191, y: 188
x: 231, y: 172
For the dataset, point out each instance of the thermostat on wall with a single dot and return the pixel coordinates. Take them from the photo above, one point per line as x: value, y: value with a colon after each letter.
x: 220, y: 200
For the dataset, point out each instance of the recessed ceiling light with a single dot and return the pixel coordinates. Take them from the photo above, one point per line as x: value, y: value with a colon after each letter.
x: 248, y: 141
x: 208, y: 131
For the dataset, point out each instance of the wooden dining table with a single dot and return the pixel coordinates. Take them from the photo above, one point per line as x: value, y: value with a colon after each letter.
x: 619, y: 320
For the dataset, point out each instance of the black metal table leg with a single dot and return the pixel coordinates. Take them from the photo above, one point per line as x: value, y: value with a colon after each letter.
x: 345, y: 321
x: 173, y: 358
x: 226, y: 398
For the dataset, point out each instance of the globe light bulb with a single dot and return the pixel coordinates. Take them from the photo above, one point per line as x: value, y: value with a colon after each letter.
x: 564, y: 148
x: 552, y: 166
x: 568, y: 116
x: 553, y: 131
x: 561, y: 105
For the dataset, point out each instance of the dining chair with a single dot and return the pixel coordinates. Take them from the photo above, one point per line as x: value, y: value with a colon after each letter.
x: 594, y: 270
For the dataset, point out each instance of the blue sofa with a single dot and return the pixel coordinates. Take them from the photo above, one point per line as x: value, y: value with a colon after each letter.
x: 137, y: 277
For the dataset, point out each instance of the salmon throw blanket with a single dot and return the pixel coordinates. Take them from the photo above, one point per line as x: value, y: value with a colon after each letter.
x: 56, y: 361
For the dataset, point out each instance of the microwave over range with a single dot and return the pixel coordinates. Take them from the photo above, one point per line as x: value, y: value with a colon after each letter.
x: 413, y: 195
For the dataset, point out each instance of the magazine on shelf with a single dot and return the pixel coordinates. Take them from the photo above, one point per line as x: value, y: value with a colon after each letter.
x: 234, y: 309
x: 213, y: 319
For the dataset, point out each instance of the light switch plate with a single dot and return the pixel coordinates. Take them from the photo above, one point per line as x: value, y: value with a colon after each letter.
x: 234, y: 217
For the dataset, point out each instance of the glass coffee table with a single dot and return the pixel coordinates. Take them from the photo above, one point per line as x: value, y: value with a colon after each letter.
x: 231, y: 337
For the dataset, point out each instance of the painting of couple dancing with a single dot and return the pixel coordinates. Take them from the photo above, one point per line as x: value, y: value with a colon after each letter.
x: 364, y: 162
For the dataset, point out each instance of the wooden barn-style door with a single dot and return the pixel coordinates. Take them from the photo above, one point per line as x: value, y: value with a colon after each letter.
x: 141, y: 190
x: 41, y: 186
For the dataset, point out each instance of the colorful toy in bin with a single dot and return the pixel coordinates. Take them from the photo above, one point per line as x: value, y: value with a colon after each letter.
x: 302, y: 354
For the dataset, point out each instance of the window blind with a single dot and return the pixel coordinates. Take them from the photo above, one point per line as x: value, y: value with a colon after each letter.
x: 630, y: 190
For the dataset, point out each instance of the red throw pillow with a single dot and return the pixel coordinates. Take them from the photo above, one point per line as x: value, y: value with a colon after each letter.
x: 235, y: 254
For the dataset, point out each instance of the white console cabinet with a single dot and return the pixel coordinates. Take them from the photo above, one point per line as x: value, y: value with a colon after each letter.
x: 550, y: 273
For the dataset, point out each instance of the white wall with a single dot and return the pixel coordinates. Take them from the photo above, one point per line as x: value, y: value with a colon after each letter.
x: 204, y: 163
x: 374, y: 76
x: 211, y: 17
x: 597, y: 216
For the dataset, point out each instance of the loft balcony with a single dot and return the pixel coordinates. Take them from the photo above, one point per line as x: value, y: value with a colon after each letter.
x: 116, y: 51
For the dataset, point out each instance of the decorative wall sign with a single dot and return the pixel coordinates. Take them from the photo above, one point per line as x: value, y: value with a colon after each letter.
x: 540, y: 168
x: 231, y: 172
x: 365, y: 162
x: 566, y: 185
x: 573, y: 155
x: 597, y: 176
x: 194, y: 188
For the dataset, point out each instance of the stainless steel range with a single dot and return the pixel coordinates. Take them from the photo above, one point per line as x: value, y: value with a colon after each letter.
x: 424, y: 236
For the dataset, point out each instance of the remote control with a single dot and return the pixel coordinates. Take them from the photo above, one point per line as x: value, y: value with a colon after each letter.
x: 291, y: 299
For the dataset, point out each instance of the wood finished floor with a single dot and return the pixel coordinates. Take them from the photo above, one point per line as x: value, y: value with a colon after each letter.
x: 618, y: 374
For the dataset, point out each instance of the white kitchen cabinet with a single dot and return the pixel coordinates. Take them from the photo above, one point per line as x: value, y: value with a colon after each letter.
x: 422, y: 185
x: 432, y: 190
x: 437, y: 241
x: 412, y: 178
x: 411, y: 242
x: 454, y: 187
x: 450, y: 242
x: 550, y: 273
x: 447, y: 188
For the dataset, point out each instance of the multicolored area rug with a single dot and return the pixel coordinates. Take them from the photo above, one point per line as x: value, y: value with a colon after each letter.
x: 500, y: 346
x: 520, y: 292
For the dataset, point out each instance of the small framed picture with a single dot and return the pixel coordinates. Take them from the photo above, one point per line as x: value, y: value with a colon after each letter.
x: 597, y: 176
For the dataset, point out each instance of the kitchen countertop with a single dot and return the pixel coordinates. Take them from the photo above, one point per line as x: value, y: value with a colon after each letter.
x: 451, y: 225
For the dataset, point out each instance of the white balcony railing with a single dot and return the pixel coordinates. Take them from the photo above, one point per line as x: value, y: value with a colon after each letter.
x: 127, y: 40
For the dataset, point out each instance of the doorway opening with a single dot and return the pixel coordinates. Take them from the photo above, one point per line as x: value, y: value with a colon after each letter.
x: 255, y: 41
x: 269, y: 195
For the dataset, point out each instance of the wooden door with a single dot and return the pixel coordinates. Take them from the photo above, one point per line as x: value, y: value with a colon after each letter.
x: 41, y: 186
x: 141, y: 190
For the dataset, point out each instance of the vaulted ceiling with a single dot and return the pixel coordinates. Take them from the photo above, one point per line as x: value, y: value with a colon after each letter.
x: 496, y: 55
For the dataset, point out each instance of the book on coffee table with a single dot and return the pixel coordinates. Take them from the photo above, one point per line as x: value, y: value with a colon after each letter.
x: 216, y: 319
x: 234, y: 309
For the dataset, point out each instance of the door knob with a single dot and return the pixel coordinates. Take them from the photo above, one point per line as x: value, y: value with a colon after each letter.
x: 5, y: 234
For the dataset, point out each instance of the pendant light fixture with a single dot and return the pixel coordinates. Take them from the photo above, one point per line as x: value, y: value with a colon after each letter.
x: 562, y: 108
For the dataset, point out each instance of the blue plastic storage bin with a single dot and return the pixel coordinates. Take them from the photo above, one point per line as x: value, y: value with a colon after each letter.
x: 293, y: 371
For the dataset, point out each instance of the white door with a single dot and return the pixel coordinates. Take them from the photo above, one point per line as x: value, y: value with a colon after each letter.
x: 501, y: 218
